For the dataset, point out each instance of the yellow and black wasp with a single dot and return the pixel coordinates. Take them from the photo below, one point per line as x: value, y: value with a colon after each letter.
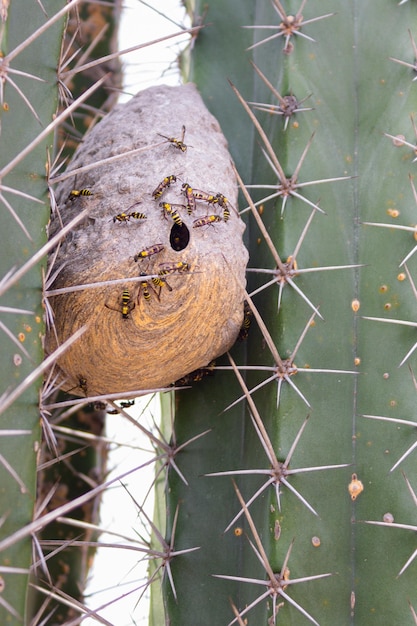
x: 76, y: 193
x: 188, y: 192
x: 225, y: 205
x: 177, y: 143
x: 226, y: 214
x: 121, y: 217
x: 210, y: 198
x: 207, y: 219
x: 125, y: 217
x: 163, y: 186
x: 206, y: 197
x: 161, y: 282
x: 143, y: 254
x: 169, y: 268
x: 126, y: 305
x: 144, y: 287
x: 170, y: 209
x: 247, y: 320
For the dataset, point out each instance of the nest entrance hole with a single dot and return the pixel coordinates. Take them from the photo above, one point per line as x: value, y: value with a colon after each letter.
x: 179, y: 237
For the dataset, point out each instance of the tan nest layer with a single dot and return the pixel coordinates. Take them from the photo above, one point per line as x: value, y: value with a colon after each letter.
x: 141, y: 335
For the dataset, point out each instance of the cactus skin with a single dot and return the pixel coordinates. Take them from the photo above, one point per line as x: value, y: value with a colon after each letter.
x: 358, y: 94
x: 18, y: 128
x: 21, y: 123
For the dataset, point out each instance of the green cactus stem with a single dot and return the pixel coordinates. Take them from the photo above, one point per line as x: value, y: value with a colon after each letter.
x: 28, y: 103
x: 326, y: 171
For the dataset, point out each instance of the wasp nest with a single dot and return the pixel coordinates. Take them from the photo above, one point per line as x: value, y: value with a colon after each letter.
x: 160, y: 251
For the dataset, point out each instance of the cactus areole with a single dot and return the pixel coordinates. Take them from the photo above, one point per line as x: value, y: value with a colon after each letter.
x: 162, y: 225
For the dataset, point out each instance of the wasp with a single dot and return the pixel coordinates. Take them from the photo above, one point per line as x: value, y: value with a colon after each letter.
x: 177, y: 143
x: 75, y: 193
x: 82, y: 384
x: 188, y: 191
x: 169, y: 209
x: 121, y: 217
x: 126, y: 305
x: 163, y: 186
x: 225, y: 205
x: 123, y: 405
x: 127, y: 403
x: 207, y: 219
x: 144, y: 289
x: 197, y: 375
x: 157, y: 247
x: 222, y: 200
x: 207, y: 197
x: 168, y: 268
x: 160, y: 282
x: 247, y: 320
x: 125, y: 217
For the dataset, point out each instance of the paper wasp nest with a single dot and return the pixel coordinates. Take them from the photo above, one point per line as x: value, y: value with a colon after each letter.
x: 147, y: 217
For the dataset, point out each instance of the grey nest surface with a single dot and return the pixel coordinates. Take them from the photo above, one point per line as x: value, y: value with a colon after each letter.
x: 160, y: 252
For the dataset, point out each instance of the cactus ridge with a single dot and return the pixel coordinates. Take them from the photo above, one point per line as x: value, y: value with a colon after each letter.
x: 365, y: 177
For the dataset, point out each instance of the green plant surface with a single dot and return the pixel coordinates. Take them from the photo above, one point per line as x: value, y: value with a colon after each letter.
x: 25, y: 213
x: 358, y: 93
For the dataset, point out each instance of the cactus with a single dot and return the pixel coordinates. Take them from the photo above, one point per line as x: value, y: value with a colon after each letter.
x: 28, y: 102
x: 311, y: 413
x: 309, y: 463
